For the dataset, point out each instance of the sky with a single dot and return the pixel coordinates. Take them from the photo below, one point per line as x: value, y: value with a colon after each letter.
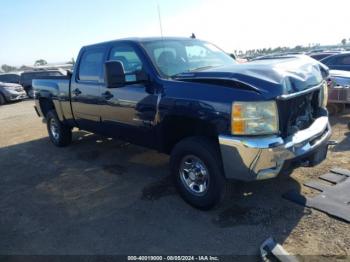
x: 55, y: 30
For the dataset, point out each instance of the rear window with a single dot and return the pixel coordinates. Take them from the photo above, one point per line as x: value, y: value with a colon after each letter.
x: 91, y: 65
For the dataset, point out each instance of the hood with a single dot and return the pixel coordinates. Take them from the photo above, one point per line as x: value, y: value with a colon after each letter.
x: 11, y: 86
x: 3, y: 84
x: 273, y: 76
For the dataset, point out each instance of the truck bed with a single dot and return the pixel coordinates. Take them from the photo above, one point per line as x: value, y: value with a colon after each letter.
x: 56, y: 88
x: 56, y: 85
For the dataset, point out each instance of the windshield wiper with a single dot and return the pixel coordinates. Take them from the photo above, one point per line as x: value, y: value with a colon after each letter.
x: 191, y: 71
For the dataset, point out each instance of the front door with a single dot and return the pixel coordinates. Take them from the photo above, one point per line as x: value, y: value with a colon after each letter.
x: 86, y: 89
x: 129, y: 111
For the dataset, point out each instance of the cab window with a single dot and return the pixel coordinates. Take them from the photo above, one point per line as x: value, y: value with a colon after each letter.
x: 91, y: 64
x: 129, y: 58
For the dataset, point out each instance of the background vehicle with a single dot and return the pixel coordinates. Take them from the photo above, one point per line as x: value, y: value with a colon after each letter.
x: 11, y: 92
x: 218, y: 120
x: 338, y: 62
x: 10, y: 78
x: 27, y: 77
x: 339, y: 91
x: 322, y: 55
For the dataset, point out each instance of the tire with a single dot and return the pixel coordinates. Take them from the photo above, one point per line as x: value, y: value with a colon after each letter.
x: 202, y: 157
x: 60, y: 134
x: 2, y: 99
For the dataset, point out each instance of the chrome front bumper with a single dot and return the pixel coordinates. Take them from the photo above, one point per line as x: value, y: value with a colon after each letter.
x: 257, y: 158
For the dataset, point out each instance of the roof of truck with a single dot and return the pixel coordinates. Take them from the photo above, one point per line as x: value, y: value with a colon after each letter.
x: 142, y: 40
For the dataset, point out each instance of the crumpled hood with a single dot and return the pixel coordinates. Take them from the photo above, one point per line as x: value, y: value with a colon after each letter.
x: 273, y: 76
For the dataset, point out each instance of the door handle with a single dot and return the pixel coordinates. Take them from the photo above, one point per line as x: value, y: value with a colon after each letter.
x: 107, y: 95
x: 76, y: 92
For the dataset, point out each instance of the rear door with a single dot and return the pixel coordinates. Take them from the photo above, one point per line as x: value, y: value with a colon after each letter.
x: 86, y: 88
x: 129, y: 111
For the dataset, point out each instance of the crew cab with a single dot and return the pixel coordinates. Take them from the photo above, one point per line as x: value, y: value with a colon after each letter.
x: 217, y: 119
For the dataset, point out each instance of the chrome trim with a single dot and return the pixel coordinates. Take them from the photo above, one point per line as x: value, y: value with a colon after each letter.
x: 300, y: 93
x: 256, y: 158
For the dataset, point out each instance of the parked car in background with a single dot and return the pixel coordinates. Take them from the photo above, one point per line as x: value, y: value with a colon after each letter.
x: 11, y: 92
x: 338, y: 62
x: 10, y: 78
x: 323, y: 55
x: 338, y: 91
x: 219, y: 120
x: 27, y: 77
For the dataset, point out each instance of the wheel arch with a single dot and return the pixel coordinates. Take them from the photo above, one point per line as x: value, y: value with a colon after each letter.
x: 47, y: 104
x: 173, y: 129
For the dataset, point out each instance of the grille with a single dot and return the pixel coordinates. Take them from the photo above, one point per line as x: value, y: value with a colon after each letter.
x: 298, y: 113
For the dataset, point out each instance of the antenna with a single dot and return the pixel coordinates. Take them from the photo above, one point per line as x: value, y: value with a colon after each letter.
x: 160, y: 20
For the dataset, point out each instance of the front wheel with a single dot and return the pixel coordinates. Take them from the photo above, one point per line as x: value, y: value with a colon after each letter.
x: 60, y: 134
x: 196, y: 166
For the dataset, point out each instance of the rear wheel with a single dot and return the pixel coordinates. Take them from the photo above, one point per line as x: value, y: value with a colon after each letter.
x: 60, y: 134
x: 2, y: 99
x: 196, y: 166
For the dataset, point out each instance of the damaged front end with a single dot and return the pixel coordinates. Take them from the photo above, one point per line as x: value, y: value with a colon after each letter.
x: 304, y: 131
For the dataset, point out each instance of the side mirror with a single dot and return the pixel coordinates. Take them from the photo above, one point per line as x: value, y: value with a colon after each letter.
x: 114, y: 74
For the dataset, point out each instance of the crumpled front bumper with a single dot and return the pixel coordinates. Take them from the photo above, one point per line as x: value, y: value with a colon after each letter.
x: 257, y: 158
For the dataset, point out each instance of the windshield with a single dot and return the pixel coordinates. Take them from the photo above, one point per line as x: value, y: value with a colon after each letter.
x: 172, y: 57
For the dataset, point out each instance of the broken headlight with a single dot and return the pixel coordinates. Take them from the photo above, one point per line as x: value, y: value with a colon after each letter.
x: 254, y: 118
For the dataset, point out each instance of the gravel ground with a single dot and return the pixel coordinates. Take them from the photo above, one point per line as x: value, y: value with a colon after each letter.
x: 102, y: 196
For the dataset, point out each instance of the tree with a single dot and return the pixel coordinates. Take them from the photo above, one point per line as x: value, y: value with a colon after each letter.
x: 40, y: 62
x: 7, y: 68
x: 343, y: 41
x: 24, y: 67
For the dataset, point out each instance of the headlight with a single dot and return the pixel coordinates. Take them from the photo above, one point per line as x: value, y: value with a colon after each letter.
x: 254, y: 118
x: 323, y: 96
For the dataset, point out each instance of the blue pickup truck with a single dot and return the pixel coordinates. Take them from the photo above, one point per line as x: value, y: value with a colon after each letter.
x: 218, y: 120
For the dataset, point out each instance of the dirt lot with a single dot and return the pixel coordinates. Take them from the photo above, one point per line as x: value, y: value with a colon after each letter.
x: 101, y: 196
